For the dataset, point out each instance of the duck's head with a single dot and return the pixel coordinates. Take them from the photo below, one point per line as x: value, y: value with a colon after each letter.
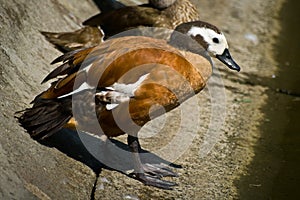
x: 210, y: 38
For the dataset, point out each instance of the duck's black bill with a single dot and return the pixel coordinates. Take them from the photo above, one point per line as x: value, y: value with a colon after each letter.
x: 227, y: 60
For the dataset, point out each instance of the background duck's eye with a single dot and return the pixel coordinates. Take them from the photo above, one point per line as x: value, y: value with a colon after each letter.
x: 215, y: 40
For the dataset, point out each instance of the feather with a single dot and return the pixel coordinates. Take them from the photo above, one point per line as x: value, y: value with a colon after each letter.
x: 45, y: 117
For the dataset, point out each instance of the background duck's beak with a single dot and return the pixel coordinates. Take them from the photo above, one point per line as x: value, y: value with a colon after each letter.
x: 227, y: 60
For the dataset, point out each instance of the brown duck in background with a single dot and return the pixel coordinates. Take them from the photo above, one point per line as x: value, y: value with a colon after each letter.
x: 158, y: 13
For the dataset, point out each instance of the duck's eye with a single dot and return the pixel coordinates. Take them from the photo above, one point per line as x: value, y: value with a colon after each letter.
x: 216, y: 40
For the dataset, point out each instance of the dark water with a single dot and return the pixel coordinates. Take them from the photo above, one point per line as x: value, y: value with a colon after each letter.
x: 287, y: 181
x: 275, y: 171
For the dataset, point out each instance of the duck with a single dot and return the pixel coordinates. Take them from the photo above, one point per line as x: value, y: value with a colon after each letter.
x: 118, y: 86
x: 163, y: 13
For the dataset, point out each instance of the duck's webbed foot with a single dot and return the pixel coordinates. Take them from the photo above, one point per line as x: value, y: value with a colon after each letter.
x: 149, y: 174
x: 158, y: 170
x: 153, y: 180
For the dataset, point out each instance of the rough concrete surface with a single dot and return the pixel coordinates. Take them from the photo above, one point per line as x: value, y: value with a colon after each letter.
x: 30, y: 170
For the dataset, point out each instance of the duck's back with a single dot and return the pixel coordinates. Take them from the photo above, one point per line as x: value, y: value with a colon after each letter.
x: 180, y: 12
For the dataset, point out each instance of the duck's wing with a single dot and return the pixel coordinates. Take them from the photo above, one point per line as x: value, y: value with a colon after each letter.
x: 81, y: 38
x: 76, y: 64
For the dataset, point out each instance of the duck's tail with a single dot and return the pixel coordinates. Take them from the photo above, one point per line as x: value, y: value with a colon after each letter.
x: 46, y: 117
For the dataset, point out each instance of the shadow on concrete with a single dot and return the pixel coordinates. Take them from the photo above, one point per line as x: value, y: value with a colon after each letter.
x: 97, y: 154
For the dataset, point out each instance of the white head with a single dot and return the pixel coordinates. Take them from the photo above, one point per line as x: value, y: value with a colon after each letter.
x: 216, y: 42
x: 211, y: 39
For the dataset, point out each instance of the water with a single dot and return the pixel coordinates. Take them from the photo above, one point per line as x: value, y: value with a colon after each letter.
x: 275, y: 171
x: 287, y: 181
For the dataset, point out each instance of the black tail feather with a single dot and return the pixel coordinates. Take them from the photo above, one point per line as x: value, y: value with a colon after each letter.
x: 46, y: 117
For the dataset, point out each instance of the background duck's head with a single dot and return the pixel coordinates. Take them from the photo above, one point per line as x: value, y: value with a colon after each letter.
x: 209, y: 37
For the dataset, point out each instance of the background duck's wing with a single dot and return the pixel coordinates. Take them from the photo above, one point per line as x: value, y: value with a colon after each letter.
x: 126, y: 18
x: 82, y: 38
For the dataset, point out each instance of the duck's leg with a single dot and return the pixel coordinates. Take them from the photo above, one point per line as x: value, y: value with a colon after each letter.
x: 147, y: 173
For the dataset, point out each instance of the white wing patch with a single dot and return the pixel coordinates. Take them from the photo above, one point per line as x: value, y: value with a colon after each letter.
x: 111, y: 106
x: 129, y: 89
x: 119, y: 93
x: 87, y: 68
x: 82, y: 87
